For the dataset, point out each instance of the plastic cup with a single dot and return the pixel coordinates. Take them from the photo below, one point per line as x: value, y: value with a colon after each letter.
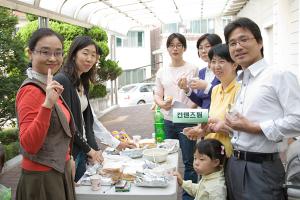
x: 95, y: 181
x: 136, y: 139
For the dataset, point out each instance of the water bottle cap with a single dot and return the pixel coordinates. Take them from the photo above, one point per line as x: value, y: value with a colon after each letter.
x: 153, y: 135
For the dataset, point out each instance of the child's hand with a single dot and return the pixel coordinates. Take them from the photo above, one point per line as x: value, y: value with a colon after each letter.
x: 179, y: 177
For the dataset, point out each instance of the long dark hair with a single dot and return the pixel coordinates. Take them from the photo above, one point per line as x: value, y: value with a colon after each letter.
x: 70, y: 67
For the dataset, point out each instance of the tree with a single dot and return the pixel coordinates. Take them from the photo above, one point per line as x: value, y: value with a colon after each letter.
x: 12, y: 65
x: 69, y: 32
x: 110, y: 70
x: 31, y: 17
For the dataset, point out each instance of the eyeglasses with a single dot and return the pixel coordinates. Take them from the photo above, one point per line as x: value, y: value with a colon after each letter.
x: 206, y: 47
x: 241, y: 41
x: 48, y: 54
x: 178, y: 46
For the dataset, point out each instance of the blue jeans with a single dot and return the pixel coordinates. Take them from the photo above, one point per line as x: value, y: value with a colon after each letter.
x: 187, y: 147
x: 80, y: 164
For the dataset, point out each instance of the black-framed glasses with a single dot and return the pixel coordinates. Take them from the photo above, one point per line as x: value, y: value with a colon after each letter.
x: 241, y: 41
x: 48, y: 53
x: 178, y: 46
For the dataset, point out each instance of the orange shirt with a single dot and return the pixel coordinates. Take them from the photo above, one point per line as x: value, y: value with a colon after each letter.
x: 34, y: 121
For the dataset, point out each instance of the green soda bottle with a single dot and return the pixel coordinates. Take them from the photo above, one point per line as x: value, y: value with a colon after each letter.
x: 159, y: 126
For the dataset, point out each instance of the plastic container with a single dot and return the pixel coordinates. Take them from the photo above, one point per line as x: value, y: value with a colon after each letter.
x: 156, y: 155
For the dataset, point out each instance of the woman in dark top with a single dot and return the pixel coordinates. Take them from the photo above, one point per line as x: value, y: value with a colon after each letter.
x: 77, y: 72
x: 199, y: 91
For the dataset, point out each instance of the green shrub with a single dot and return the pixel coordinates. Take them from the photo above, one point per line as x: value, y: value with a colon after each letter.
x: 11, y: 150
x: 10, y: 141
x: 97, y: 33
x: 98, y: 91
x: 104, y: 49
x: 8, y: 136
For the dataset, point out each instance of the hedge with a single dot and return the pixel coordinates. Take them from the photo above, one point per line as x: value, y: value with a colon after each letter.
x: 98, y: 91
x: 9, y: 135
x: 10, y: 141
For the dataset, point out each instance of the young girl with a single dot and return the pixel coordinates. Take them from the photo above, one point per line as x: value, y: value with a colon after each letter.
x: 209, y: 159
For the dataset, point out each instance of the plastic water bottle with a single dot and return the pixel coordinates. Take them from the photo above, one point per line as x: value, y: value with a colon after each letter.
x: 159, y: 126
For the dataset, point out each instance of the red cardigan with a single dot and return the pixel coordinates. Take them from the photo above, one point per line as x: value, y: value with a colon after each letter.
x: 34, y: 121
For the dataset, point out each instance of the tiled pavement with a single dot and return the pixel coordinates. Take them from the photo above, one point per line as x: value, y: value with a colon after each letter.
x: 136, y: 120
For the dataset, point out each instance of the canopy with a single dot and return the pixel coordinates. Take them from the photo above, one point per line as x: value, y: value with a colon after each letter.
x: 119, y: 16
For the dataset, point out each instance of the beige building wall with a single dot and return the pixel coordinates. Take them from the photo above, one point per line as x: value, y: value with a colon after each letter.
x: 279, y: 23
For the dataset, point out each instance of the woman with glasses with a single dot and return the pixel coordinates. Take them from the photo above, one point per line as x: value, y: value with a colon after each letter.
x: 199, y: 90
x: 77, y: 73
x: 222, y: 97
x: 166, y: 89
x: 45, y: 123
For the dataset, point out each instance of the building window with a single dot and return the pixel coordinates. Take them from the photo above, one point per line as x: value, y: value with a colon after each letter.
x: 170, y: 28
x: 226, y: 20
x: 118, y: 42
x: 202, y: 26
x: 134, y: 39
x: 203, y: 23
x: 195, y: 26
x: 211, y: 26
x: 140, y: 39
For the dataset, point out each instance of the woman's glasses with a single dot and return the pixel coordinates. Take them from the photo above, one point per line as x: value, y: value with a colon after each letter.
x: 48, y: 53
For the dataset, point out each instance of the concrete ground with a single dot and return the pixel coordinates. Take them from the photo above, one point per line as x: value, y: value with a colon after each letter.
x: 136, y: 120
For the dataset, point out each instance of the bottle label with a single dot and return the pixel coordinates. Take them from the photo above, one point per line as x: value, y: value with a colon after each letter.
x: 191, y: 116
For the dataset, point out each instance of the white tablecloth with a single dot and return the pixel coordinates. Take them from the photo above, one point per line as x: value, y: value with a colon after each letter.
x: 135, y: 193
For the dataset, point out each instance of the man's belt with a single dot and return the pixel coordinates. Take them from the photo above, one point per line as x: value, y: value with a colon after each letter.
x: 255, y: 156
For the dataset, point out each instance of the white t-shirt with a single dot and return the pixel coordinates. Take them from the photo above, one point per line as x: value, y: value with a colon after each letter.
x: 166, y: 84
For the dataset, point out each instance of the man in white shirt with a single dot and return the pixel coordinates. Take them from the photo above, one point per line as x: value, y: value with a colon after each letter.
x: 267, y: 109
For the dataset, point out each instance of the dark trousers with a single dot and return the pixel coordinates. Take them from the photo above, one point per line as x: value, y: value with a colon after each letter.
x: 254, y: 181
x: 187, y: 147
x: 80, y: 164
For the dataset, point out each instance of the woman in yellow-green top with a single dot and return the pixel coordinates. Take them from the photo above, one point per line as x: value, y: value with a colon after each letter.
x: 223, y: 94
